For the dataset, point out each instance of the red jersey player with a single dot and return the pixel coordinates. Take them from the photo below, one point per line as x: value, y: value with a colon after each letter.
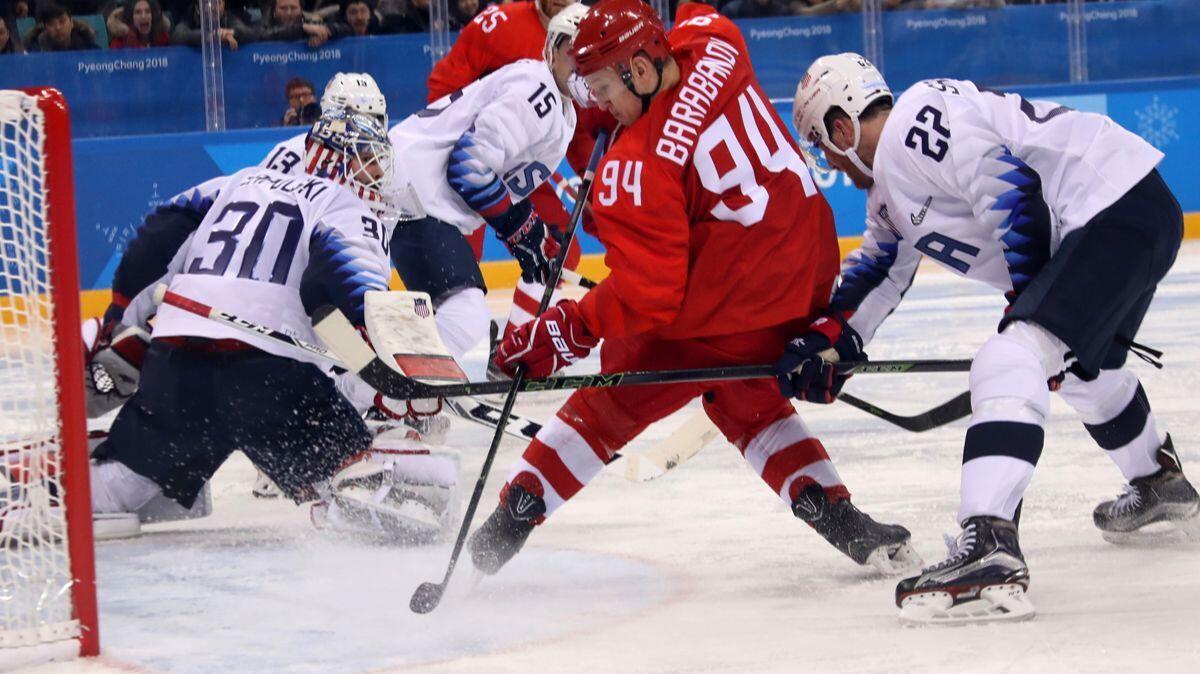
x: 720, y: 246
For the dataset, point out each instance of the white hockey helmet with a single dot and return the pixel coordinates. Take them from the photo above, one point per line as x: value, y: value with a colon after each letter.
x: 356, y: 92
x: 562, y: 29
x: 546, y: 7
x: 352, y: 149
x: 847, y: 82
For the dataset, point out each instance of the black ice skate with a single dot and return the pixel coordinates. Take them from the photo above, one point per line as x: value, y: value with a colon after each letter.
x: 1165, y: 496
x: 884, y: 546
x: 983, y: 579
x: 503, y: 534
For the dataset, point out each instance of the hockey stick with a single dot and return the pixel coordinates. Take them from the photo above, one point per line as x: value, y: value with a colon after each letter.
x: 695, y: 433
x: 471, y: 410
x: 576, y: 278
x: 339, y: 334
x: 428, y: 595
x: 952, y: 410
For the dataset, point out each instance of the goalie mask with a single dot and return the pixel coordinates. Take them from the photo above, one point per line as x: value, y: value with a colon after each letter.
x: 351, y: 149
x: 846, y: 82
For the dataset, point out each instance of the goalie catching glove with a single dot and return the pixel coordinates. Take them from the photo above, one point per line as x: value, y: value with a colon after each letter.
x: 806, y: 370
x: 112, y: 373
x: 528, y: 238
x: 548, y: 343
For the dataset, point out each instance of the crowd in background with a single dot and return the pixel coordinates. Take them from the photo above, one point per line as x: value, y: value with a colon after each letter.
x: 68, y: 25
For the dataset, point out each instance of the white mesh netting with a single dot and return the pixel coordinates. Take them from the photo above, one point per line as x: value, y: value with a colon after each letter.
x: 35, y: 576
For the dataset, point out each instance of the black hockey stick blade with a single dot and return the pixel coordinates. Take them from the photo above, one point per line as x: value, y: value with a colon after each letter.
x: 426, y: 597
x: 950, y: 411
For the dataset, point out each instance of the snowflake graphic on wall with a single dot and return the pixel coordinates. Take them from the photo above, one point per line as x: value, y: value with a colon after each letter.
x: 1156, y: 123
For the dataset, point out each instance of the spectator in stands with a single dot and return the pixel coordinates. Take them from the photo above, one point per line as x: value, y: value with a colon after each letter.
x: 233, y: 30
x: 287, y: 21
x: 57, y: 31
x: 9, y: 44
x: 303, y: 109
x: 141, y: 24
x: 461, y: 13
x: 821, y: 7
x: 414, y: 18
x: 358, y: 17
x: 751, y: 9
x: 20, y: 9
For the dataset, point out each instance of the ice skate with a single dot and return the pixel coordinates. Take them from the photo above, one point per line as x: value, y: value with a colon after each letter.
x: 503, y: 534
x: 883, y: 546
x: 982, y: 579
x: 1157, y: 508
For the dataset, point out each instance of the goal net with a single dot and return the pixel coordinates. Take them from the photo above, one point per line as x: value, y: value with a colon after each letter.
x: 47, y: 585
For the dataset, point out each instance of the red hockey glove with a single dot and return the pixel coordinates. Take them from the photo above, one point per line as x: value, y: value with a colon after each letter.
x: 802, y: 371
x: 546, y: 344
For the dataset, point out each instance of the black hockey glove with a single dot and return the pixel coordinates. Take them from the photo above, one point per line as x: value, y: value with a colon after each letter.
x: 806, y: 371
x: 529, y: 240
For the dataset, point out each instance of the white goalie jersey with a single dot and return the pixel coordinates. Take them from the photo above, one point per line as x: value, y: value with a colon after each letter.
x: 985, y: 183
x: 502, y: 136
x: 274, y: 247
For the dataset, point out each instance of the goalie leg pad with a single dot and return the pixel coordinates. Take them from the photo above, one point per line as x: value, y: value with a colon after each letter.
x: 399, y: 490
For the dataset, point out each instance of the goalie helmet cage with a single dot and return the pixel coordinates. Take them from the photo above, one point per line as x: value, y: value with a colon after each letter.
x: 47, y: 574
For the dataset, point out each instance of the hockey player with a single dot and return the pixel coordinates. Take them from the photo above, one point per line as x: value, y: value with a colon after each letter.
x: 504, y: 34
x: 276, y: 247
x: 1065, y: 213
x: 711, y: 222
x: 468, y: 159
x: 116, y: 349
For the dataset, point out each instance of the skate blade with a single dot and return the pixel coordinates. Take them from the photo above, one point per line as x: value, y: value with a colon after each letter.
x: 895, y: 560
x: 1185, y: 531
x: 996, y: 603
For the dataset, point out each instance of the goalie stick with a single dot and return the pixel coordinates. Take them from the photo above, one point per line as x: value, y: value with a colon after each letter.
x: 471, y: 409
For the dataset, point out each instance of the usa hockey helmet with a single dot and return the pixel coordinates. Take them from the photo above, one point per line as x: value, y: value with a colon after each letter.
x: 847, y: 82
x: 562, y: 30
x: 351, y: 149
x: 615, y: 31
x: 356, y: 92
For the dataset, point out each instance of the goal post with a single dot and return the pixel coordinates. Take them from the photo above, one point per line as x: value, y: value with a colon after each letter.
x: 47, y: 571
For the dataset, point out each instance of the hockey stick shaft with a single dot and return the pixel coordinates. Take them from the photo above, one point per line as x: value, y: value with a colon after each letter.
x: 472, y: 410
x: 428, y: 595
x: 393, y: 384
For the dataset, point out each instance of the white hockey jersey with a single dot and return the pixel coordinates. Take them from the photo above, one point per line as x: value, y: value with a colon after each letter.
x: 985, y: 183
x: 272, y: 248
x: 500, y: 137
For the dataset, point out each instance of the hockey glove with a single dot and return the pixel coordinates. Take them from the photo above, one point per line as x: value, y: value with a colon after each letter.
x: 546, y: 344
x: 112, y: 374
x: 528, y: 239
x: 806, y: 369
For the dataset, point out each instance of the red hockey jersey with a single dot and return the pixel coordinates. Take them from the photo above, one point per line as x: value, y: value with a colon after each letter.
x: 712, y: 223
x: 500, y: 35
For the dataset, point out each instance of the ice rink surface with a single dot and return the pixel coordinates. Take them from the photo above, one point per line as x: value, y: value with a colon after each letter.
x: 703, y: 570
